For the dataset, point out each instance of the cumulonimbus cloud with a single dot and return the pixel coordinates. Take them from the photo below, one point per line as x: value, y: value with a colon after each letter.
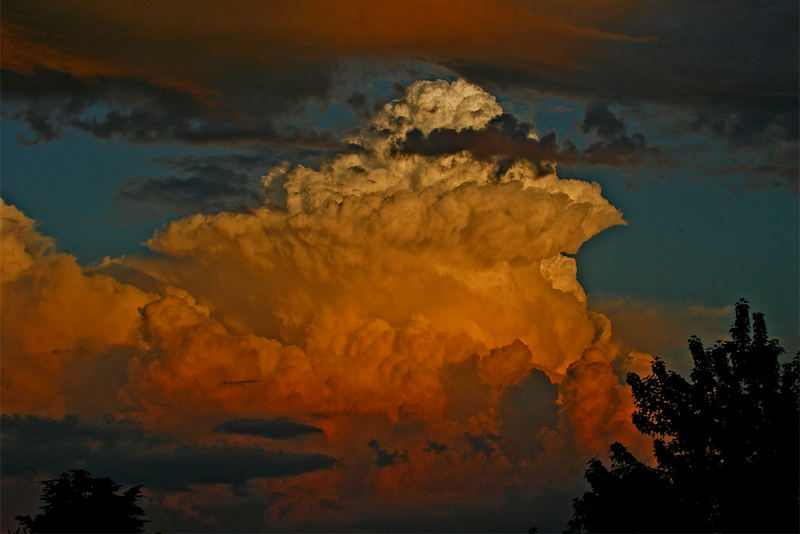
x: 401, y: 300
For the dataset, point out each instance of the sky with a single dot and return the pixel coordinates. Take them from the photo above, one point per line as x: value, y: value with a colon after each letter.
x: 376, y: 266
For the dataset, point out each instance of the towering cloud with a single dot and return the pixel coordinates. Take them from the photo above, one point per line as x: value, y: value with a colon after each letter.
x: 396, y: 301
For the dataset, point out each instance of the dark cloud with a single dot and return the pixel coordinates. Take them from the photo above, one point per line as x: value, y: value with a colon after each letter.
x: 725, y: 69
x: 280, y: 428
x: 210, y: 184
x: 360, y: 104
x: 488, y: 143
x: 149, y: 197
x: 435, y: 447
x: 732, y: 66
x: 507, y: 139
x: 237, y: 382
x: 623, y: 150
x: 747, y: 126
x: 248, y: 106
x: 599, y: 119
x: 525, y: 409
x: 224, y: 465
x: 482, y: 443
x: 122, y: 451
x: 200, y: 185
x: 615, y: 145
x: 383, y: 457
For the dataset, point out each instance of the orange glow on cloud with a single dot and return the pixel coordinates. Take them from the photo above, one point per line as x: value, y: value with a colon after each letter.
x: 178, y: 44
x: 52, y: 314
x: 25, y: 51
x: 404, y: 299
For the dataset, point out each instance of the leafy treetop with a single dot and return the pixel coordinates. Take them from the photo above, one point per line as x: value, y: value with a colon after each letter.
x: 78, y: 502
x: 726, y: 443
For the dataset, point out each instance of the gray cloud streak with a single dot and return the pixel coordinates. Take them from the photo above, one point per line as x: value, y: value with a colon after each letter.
x: 124, y: 452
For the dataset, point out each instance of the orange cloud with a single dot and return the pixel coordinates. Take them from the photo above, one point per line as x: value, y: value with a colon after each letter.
x: 181, y: 45
x: 399, y: 300
x: 53, y: 313
x: 27, y: 49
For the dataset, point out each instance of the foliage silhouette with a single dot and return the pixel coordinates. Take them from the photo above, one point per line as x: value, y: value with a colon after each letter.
x: 726, y: 443
x: 78, y: 502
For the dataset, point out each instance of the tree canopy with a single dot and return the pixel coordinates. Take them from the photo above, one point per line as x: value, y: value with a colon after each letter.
x: 726, y: 444
x: 78, y: 502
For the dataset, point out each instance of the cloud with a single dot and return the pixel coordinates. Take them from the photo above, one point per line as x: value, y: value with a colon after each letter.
x: 210, y: 184
x: 276, y: 35
x: 384, y: 458
x: 33, y: 445
x: 266, y: 73
x: 54, y: 315
x: 487, y: 143
x: 505, y: 139
x: 599, y: 119
x: 688, y: 57
x: 662, y: 328
x: 186, y: 195
x: 694, y: 58
x: 599, y: 406
x: 361, y: 223
x: 524, y: 410
x: 280, y: 428
x: 138, y: 111
x: 358, y: 101
x: 615, y: 146
x: 202, y: 185
x: 483, y: 443
x: 392, y: 298
x: 436, y: 105
x: 744, y: 127
x: 70, y: 70
x: 435, y: 447
x: 21, y: 245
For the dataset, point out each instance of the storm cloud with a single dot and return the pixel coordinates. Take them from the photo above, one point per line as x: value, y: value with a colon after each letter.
x: 395, y: 300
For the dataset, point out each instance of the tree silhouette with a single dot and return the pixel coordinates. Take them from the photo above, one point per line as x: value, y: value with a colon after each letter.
x: 78, y: 502
x: 726, y: 443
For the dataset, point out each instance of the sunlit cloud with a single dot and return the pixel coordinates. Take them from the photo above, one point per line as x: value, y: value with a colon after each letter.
x: 408, y: 323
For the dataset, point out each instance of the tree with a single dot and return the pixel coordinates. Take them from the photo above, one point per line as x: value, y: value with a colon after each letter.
x: 726, y: 443
x: 78, y: 502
